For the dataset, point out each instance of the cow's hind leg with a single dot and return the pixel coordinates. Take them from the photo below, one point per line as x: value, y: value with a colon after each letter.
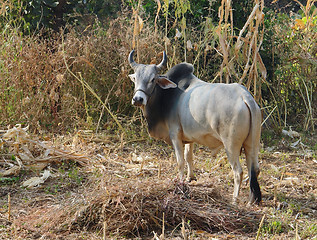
x: 251, y: 147
x: 251, y: 153
x: 233, y: 157
x: 189, y: 147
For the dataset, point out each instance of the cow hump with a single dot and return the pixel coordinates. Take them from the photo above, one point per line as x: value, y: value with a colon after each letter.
x: 180, y: 71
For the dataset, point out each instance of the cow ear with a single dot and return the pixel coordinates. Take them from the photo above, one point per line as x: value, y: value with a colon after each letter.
x: 165, y: 83
x: 132, y: 77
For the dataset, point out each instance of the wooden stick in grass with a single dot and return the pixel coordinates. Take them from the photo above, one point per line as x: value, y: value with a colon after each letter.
x: 9, y: 207
x: 260, y: 227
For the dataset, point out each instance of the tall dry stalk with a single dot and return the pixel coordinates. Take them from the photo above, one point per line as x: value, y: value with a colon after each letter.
x: 165, y: 10
x: 241, y: 58
x: 138, y: 25
x: 181, y: 8
x: 156, y: 17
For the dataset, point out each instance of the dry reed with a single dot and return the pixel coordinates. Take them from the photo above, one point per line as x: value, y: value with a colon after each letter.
x: 241, y: 57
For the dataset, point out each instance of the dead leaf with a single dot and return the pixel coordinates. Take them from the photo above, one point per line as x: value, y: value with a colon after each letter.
x: 178, y: 34
x: 36, y: 181
x: 12, y: 171
x: 189, y: 45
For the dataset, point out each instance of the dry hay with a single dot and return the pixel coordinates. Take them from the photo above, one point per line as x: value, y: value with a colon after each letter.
x: 136, y: 208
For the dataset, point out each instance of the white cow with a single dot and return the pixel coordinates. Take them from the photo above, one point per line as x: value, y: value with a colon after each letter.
x: 182, y: 109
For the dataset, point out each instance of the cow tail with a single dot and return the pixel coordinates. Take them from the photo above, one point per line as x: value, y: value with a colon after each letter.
x: 254, y: 184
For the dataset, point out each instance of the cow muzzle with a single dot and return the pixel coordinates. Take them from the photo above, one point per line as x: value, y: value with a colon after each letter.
x: 140, y: 98
x: 137, y: 101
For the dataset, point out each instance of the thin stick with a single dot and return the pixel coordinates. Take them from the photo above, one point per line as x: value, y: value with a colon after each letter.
x: 260, y: 227
x: 268, y: 115
x: 183, y: 230
x: 122, y: 141
x: 275, y: 195
x: 166, y: 23
x: 297, y: 236
x: 9, y: 207
x: 159, y: 171
x: 104, y: 230
x: 99, y: 120
x: 163, y: 227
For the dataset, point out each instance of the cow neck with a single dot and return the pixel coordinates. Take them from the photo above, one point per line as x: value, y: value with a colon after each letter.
x: 153, y: 110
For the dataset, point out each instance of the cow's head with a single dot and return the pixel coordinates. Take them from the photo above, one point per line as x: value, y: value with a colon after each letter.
x: 145, y: 77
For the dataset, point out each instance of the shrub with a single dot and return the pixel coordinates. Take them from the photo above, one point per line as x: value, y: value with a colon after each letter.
x: 291, y: 41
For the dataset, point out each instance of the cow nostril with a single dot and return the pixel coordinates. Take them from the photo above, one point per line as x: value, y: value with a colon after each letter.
x: 137, y: 101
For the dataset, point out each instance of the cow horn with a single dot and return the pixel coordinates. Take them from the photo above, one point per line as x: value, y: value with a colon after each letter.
x: 164, y: 61
x: 133, y: 64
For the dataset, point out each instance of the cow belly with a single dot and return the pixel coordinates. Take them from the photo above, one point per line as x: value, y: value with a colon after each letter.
x: 209, y: 141
x: 205, y: 137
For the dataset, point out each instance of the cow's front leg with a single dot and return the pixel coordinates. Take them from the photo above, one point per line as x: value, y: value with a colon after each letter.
x: 189, y: 147
x: 179, y: 152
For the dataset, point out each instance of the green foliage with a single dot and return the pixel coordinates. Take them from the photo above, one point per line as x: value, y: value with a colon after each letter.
x: 9, y: 180
x: 54, y: 14
x: 309, y: 231
x: 291, y: 50
x: 274, y: 227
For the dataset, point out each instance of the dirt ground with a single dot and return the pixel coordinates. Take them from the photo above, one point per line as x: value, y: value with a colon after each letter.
x: 128, y: 189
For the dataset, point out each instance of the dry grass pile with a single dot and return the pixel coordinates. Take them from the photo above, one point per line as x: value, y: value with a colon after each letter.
x: 137, y: 208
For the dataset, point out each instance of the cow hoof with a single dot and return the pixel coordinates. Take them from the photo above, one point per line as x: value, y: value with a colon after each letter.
x: 234, y: 202
x: 190, y: 179
x: 179, y: 180
x: 253, y: 203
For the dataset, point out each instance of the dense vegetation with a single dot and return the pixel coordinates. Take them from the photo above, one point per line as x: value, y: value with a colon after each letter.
x: 63, y: 63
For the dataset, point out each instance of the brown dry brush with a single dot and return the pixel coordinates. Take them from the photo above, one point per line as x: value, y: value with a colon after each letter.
x: 36, y: 87
x: 136, y: 209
